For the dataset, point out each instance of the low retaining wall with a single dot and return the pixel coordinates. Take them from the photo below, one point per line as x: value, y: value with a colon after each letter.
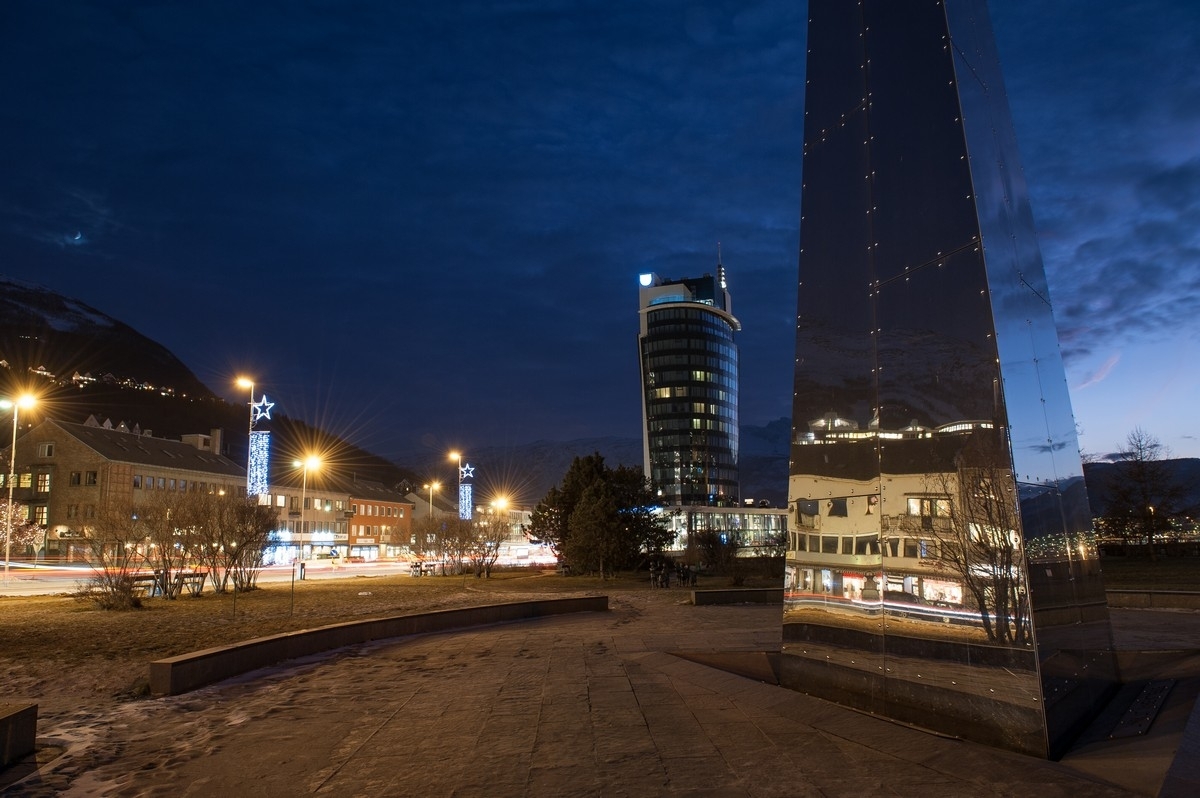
x: 18, y: 732
x: 185, y: 672
x: 1154, y: 599
x: 747, y: 595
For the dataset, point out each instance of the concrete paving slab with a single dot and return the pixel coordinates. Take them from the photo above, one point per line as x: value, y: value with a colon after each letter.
x: 587, y: 705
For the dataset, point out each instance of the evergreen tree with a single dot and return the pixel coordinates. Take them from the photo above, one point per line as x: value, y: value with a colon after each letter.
x: 549, y: 521
x: 595, y: 542
x: 638, y: 505
x: 600, y: 518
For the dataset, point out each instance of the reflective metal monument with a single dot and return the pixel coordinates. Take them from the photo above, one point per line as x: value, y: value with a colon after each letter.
x: 941, y: 566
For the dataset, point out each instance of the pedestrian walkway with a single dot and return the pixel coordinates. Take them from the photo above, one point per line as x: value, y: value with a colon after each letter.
x: 605, y: 704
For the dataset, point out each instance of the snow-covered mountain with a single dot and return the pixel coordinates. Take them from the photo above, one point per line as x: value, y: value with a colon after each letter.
x: 45, y: 335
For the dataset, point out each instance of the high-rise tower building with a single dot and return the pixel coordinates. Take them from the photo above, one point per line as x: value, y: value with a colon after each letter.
x: 689, y: 389
x: 941, y: 564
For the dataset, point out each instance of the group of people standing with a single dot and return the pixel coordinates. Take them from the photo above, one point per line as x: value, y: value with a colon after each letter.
x: 660, y: 573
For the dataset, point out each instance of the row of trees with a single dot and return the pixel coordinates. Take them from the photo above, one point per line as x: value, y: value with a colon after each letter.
x: 463, y: 546
x: 171, y: 532
x: 600, y: 519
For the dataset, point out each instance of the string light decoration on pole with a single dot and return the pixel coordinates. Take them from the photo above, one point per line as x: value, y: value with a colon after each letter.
x: 466, y: 500
x: 27, y: 401
x: 258, y: 445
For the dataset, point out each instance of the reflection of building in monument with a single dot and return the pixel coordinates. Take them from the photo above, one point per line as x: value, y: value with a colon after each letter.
x: 689, y: 368
x: 901, y: 549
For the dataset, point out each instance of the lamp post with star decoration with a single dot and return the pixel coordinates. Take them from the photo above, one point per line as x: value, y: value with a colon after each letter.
x: 258, y: 444
x: 466, y: 472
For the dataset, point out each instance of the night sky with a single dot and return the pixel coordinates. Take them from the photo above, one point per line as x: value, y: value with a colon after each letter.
x: 420, y: 225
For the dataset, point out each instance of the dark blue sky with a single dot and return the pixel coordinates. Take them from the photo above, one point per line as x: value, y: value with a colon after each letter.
x: 421, y: 225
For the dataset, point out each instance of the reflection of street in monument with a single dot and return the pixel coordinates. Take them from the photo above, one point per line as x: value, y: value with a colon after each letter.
x: 870, y: 618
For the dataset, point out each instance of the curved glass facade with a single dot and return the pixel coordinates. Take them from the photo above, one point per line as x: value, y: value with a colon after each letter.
x: 689, y: 390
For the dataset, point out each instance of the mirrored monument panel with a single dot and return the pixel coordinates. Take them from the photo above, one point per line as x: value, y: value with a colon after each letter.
x: 941, y: 566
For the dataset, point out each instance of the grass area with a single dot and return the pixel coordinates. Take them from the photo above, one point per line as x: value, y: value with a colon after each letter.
x: 1142, y: 573
x: 56, y: 626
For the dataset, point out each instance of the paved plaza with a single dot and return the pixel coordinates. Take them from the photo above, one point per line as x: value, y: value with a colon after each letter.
x: 624, y: 703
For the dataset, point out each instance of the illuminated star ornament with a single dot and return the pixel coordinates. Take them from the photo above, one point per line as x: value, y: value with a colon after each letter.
x: 466, y: 471
x: 262, y: 409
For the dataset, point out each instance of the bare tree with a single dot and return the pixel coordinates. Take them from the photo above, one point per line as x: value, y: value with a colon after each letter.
x: 1145, y: 497
x: 455, y: 542
x: 976, y: 538
x: 24, y: 533
x: 232, y: 535
x: 247, y: 527
x: 116, y: 552
x: 490, y: 532
x: 426, y: 533
x: 171, y: 525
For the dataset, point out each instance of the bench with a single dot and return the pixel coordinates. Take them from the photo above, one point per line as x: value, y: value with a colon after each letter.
x: 152, y: 584
x: 419, y: 568
x: 193, y: 581
x: 146, y: 584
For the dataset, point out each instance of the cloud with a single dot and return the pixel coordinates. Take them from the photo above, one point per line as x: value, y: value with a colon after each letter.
x: 1108, y: 119
x: 1100, y: 374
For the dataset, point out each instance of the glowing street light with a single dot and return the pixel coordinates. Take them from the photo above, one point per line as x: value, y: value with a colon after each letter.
x: 500, y: 505
x: 26, y: 401
x: 309, y: 463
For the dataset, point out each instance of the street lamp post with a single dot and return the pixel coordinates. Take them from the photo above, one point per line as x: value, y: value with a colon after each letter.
x: 25, y: 401
x: 432, y: 487
x: 457, y: 458
x: 311, y: 462
x: 246, y: 382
